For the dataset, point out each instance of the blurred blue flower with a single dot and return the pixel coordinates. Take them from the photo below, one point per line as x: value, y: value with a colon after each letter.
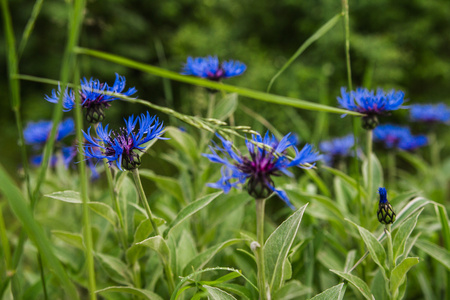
x: 337, y: 149
x: 209, y: 67
x: 123, y: 146
x: 267, y: 158
x: 370, y: 103
x: 430, y: 113
x: 394, y: 136
x: 37, y: 133
x: 94, y: 95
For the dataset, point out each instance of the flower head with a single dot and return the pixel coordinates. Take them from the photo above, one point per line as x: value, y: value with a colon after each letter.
x: 123, y: 146
x: 385, y: 213
x: 370, y: 103
x: 209, y: 68
x: 95, y: 96
x: 429, y: 113
x: 37, y: 133
x: 337, y: 149
x: 394, y: 136
x: 267, y: 158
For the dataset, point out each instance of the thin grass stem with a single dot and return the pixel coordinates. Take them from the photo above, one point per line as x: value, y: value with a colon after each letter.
x: 263, y: 293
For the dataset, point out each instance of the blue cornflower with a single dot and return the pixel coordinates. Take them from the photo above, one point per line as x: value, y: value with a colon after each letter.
x: 267, y: 158
x: 394, y: 136
x: 430, y: 113
x: 37, y: 133
x: 370, y: 104
x: 123, y: 147
x: 95, y: 96
x: 385, y: 213
x: 337, y: 149
x: 209, y: 68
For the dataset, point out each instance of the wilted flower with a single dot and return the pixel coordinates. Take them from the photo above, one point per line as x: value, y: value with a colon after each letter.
x: 337, y: 149
x: 394, y: 136
x: 37, y: 133
x: 385, y: 213
x: 95, y: 96
x: 209, y: 68
x: 123, y: 146
x: 370, y: 104
x: 429, y: 113
x: 267, y: 158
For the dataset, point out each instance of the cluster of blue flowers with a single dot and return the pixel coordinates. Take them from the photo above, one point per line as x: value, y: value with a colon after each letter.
x: 429, y: 113
x: 337, y: 149
x: 394, y: 136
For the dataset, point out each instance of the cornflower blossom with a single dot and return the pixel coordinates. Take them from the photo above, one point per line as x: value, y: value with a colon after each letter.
x: 370, y: 104
x: 385, y: 213
x: 267, y: 158
x: 94, y: 96
x: 428, y: 113
x: 123, y: 146
x: 210, y: 68
x: 336, y: 149
x: 394, y: 136
x: 37, y: 133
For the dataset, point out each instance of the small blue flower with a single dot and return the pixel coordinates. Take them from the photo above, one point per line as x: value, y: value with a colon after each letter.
x: 337, y: 148
x: 209, y: 67
x: 94, y: 96
x: 267, y: 158
x: 370, y: 103
x: 429, y: 113
x: 394, y: 136
x: 123, y: 146
x: 385, y: 213
x: 37, y: 133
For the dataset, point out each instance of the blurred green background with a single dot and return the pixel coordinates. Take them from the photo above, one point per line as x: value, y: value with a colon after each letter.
x: 394, y: 44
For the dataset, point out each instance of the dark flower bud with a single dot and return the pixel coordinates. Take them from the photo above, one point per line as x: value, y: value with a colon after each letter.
x: 131, y: 161
x: 258, y: 188
x: 369, y: 122
x: 95, y: 114
x: 385, y: 213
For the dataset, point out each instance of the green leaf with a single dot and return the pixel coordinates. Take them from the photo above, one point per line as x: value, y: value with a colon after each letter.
x: 438, y: 253
x: 213, y: 85
x: 158, y: 244
x: 73, y: 239
x: 145, y: 294
x: 105, y: 211
x: 377, y: 174
x: 330, y: 294
x: 226, y: 107
x: 218, y: 294
x: 66, y: 196
x: 115, y: 268
x: 403, y: 233
x: 222, y: 279
x: 277, y: 246
x: 357, y: 282
x: 346, y: 178
x: 374, y: 246
x: 166, y: 184
x: 410, y: 209
x: 291, y: 290
x: 191, y: 209
x: 398, y: 275
x: 183, y: 141
x: 35, y: 232
x: 236, y: 289
x: 203, y: 258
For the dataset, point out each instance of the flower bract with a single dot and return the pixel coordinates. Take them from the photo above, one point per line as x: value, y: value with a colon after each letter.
x: 428, y: 113
x: 266, y: 158
x: 385, y: 213
x: 210, y: 68
x: 123, y: 146
x: 95, y: 96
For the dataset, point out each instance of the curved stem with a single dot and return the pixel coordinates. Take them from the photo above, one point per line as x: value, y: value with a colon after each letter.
x: 144, y: 201
x: 260, y: 249
x: 369, y: 171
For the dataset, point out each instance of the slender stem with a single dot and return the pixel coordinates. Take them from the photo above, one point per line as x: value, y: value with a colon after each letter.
x: 347, y: 42
x: 369, y: 170
x: 260, y: 249
x: 41, y: 269
x: 112, y: 193
x: 390, y: 249
x: 84, y: 196
x: 434, y: 150
x: 144, y: 201
x: 392, y: 169
x: 211, y: 104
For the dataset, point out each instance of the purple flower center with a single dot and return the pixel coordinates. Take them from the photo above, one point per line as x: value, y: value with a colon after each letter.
x: 219, y: 74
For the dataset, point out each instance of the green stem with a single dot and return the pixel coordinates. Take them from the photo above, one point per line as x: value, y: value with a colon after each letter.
x: 369, y: 171
x: 434, y: 151
x: 41, y: 269
x: 391, y: 262
x: 347, y: 42
x: 260, y: 248
x: 87, y: 229
x: 392, y: 169
x: 211, y: 104
x: 144, y: 201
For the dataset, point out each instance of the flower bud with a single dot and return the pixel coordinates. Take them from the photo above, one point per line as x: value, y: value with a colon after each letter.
x: 385, y: 213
